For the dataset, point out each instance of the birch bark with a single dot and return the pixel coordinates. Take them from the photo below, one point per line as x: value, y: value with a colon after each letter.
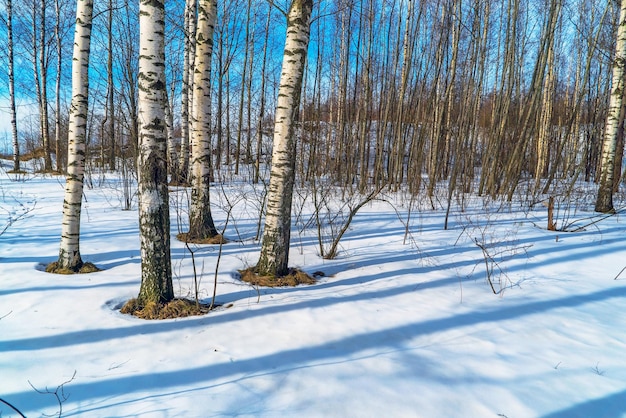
x: 16, y: 145
x: 69, y: 253
x: 275, y: 243
x: 154, y: 217
x: 200, y: 220
x: 604, y: 201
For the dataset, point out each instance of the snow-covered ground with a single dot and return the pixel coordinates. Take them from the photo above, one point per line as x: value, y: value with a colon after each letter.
x: 401, y: 326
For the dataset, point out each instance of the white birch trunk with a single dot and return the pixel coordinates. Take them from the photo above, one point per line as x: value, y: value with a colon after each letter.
x: 275, y: 244
x: 16, y: 145
x: 69, y: 253
x: 200, y: 220
x: 154, y: 218
x: 604, y: 202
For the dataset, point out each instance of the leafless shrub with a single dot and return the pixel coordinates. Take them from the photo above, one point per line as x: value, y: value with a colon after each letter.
x: 58, y: 393
x: 15, y: 212
x: 333, y: 212
x: 497, y: 247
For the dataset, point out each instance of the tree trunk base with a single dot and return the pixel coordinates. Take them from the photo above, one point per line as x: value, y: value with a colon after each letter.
x: 293, y: 278
x: 82, y: 268
x: 177, y: 308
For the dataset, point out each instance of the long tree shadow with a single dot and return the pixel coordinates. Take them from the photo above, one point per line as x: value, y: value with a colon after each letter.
x: 610, y: 406
x: 288, y: 359
x: 448, y: 253
x: 56, y: 287
x: 98, y: 335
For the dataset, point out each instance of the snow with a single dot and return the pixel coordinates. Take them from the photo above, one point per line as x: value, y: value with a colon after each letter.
x: 399, y: 326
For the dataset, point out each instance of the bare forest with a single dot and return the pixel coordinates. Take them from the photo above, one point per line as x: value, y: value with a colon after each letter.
x: 411, y: 154
x: 469, y: 96
x: 439, y: 99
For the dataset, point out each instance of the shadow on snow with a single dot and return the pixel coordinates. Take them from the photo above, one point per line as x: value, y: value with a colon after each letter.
x: 277, y: 362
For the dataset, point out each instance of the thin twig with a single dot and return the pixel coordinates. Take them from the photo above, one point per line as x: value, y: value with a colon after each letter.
x: 62, y: 397
x: 487, y: 258
x: 219, y: 253
x: 618, y: 274
x: 602, y: 217
x: 12, y: 407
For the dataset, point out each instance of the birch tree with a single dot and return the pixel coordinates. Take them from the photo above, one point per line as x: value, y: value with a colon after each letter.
x: 154, y: 218
x: 604, y: 201
x: 69, y: 253
x: 200, y: 220
x: 275, y: 243
x: 16, y: 145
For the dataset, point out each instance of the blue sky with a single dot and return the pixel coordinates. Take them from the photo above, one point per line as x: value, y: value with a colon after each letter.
x: 5, y: 127
x: 5, y: 121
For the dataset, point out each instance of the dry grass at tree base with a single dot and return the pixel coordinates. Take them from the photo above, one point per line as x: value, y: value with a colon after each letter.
x: 177, y: 308
x: 216, y: 239
x: 84, y: 269
x: 294, y: 277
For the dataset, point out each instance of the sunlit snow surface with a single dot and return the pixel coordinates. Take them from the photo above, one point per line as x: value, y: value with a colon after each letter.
x: 399, y: 327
